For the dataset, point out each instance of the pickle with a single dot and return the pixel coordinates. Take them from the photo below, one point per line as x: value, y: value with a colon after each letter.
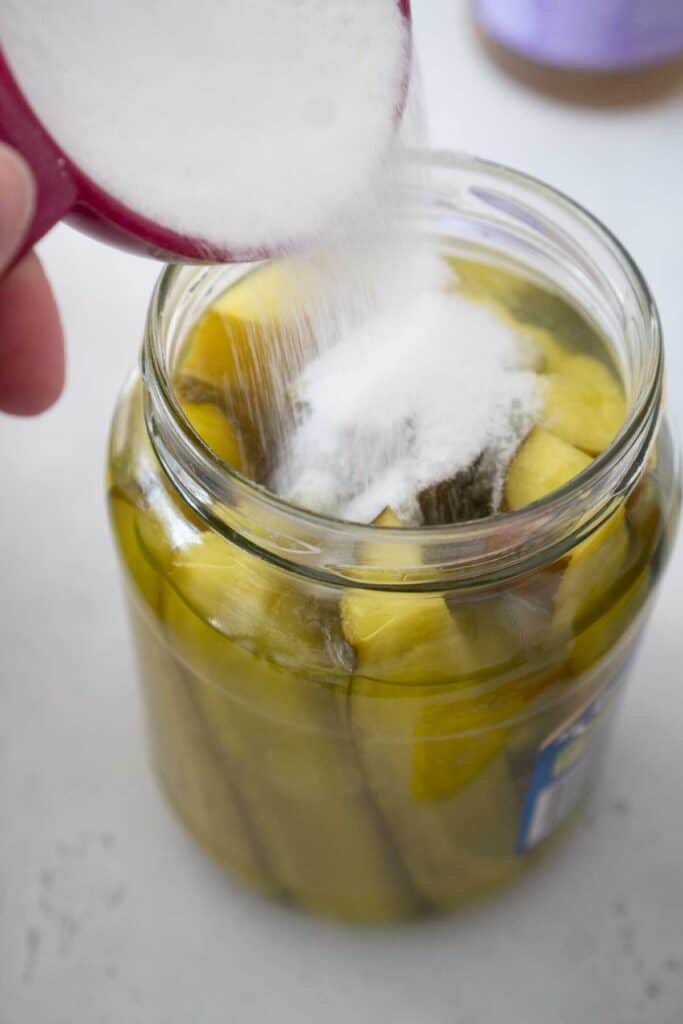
x: 402, y: 638
x: 190, y: 770
x: 644, y: 515
x: 531, y: 307
x: 594, y: 571
x: 432, y: 750
x: 451, y: 742
x: 543, y: 463
x: 594, y: 642
x: 492, y: 285
x: 584, y: 401
x: 214, y: 428
x: 436, y: 767
x: 234, y: 343
x: 252, y: 338
x: 249, y: 601
x: 607, y: 633
x: 389, y: 559
x: 254, y: 332
x: 547, y: 353
x: 284, y: 733
x: 584, y: 404
x: 124, y: 517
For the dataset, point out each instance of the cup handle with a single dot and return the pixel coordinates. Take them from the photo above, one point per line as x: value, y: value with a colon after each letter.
x: 56, y: 190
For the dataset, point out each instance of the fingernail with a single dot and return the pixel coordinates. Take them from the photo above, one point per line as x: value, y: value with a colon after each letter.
x: 17, y: 194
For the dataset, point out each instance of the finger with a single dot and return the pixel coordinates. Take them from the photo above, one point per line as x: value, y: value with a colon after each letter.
x: 17, y: 196
x: 31, y: 341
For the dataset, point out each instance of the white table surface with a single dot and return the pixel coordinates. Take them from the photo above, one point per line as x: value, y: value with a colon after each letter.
x: 107, y: 911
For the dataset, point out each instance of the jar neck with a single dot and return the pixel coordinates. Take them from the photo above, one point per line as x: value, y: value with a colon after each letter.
x: 511, y: 217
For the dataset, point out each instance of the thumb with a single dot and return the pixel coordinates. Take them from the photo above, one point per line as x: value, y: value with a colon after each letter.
x: 17, y: 194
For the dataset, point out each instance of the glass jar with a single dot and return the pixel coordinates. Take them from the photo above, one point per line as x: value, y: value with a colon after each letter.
x: 374, y: 723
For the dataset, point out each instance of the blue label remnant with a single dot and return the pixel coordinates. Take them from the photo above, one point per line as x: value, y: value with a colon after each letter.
x: 565, y: 766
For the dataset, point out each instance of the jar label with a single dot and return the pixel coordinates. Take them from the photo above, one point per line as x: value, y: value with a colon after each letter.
x: 565, y: 766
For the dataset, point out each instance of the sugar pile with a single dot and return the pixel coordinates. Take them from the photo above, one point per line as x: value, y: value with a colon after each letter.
x: 405, y: 396
x: 243, y: 122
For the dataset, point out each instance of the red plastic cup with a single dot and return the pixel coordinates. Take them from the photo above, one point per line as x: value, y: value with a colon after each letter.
x: 64, y: 192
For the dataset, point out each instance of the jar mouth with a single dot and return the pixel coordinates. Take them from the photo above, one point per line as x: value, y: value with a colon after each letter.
x: 506, y: 213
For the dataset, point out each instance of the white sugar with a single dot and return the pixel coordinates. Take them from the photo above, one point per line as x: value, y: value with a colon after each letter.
x: 415, y: 392
x: 241, y: 122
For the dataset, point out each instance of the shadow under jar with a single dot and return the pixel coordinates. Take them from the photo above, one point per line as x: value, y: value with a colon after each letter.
x: 375, y: 723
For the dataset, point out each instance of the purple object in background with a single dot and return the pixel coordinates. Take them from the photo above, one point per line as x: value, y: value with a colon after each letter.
x: 597, y: 35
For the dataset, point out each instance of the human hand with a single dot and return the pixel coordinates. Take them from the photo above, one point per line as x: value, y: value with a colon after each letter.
x: 31, y: 340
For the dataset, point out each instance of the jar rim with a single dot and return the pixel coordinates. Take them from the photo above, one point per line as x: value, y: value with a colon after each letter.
x: 485, y: 550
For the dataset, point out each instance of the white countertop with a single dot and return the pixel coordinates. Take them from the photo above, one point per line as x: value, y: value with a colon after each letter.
x: 107, y: 911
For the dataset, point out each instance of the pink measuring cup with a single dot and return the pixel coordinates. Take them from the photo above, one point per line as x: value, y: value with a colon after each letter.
x: 64, y: 192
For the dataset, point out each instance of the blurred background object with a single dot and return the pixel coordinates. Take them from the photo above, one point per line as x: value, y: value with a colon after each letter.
x: 599, y: 51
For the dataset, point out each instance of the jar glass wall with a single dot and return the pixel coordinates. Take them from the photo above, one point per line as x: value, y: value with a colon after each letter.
x: 369, y: 722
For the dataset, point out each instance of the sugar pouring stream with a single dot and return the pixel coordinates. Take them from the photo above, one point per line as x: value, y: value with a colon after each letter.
x: 152, y: 147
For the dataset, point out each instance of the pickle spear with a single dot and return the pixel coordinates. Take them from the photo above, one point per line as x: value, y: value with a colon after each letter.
x: 584, y: 403
x: 431, y: 747
x: 214, y: 428
x: 236, y: 342
x: 254, y: 338
x: 283, y: 727
x: 544, y: 463
x: 435, y: 764
x: 602, y: 635
x: 190, y: 770
x: 142, y: 574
